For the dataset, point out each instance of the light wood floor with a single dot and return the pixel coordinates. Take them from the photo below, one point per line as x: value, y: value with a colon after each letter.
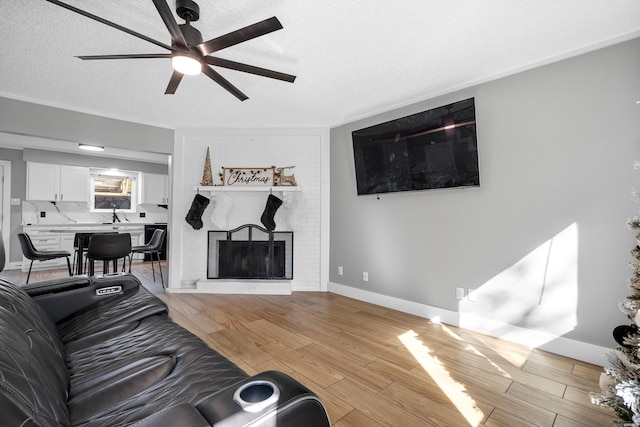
x: 372, y: 366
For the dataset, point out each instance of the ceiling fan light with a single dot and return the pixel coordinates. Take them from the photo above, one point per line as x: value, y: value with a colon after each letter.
x: 186, y: 64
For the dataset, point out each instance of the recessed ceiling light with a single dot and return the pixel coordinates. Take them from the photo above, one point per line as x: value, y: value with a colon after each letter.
x: 90, y: 147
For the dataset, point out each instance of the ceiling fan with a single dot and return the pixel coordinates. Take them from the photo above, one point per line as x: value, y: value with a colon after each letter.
x: 189, y: 54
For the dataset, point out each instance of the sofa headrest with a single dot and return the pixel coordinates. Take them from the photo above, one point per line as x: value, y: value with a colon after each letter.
x: 35, y: 380
x: 15, y: 300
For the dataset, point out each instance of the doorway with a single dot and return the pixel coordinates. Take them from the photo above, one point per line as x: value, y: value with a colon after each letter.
x: 5, y: 203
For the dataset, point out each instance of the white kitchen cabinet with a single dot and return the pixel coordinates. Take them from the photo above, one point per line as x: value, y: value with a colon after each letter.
x: 57, y: 182
x: 42, y: 181
x: 74, y: 184
x: 66, y: 242
x: 155, y: 188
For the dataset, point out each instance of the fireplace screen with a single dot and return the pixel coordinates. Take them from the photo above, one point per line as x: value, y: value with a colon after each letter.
x: 250, y: 252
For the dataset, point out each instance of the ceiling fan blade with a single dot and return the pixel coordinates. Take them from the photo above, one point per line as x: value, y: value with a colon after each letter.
x: 170, y: 22
x: 176, y: 78
x: 213, y: 75
x: 131, y: 56
x: 109, y: 23
x: 243, y: 34
x: 238, y: 66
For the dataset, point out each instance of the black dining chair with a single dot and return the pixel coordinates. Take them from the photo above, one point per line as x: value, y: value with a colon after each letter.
x: 107, y: 247
x: 80, y: 246
x: 30, y: 252
x: 152, y: 247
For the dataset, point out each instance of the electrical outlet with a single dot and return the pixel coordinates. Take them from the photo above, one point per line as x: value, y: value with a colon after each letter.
x: 43, y: 214
x: 472, y: 295
x: 143, y: 214
x: 460, y: 293
x: 15, y: 202
x: 340, y: 270
x: 365, y: 276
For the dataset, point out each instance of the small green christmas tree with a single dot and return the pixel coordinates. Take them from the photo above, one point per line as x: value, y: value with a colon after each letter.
x: 620, y: 382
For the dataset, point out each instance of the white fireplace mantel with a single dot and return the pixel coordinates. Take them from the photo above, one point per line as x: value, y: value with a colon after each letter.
x: 262, y: 188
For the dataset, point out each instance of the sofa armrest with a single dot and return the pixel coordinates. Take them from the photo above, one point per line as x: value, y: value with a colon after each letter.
x: 55, y: 286
x: 63, y: 297
x: 292, y: 405
x: 267, y: 399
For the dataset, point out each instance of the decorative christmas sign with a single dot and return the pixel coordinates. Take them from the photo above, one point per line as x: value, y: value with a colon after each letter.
x: 248, y: 176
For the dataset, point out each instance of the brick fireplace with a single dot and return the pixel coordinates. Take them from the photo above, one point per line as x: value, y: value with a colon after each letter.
x: 253, y: 148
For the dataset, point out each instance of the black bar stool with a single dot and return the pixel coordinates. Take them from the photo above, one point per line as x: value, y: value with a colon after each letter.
x: 80, y: 246
x: 153, y: 247
x: 30, y: 252
x: 108, y: 247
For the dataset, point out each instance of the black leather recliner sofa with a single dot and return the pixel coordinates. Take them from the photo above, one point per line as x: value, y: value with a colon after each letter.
x: 101, y: 351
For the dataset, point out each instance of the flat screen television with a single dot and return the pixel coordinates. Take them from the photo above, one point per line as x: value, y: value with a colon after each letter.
x: 436, y: 148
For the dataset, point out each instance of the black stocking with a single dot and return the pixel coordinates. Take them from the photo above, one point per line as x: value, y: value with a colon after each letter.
x: 194, y: 216
x: 273, y: 203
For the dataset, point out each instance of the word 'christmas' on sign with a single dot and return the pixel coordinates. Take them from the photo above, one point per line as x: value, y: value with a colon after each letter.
x: 248, y: 176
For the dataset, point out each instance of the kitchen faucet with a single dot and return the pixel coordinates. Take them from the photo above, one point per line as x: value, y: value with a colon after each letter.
x: 115, y: 215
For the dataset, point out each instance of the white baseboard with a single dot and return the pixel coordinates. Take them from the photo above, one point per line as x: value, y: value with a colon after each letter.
x: 563, y: 346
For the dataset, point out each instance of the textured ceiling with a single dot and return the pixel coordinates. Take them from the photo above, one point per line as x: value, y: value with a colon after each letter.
x: 352, y: 58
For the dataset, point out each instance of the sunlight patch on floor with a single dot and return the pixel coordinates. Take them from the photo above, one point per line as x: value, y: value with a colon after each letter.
x: 455, y: 391
x: 450, y: 332
x: 514, y: 353
x: 475, y: 351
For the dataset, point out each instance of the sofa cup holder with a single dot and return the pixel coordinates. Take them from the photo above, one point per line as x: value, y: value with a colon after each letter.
x: 255, y: 396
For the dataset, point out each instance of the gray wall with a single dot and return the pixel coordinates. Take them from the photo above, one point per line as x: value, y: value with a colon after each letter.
x: 557, y: 144
x: 26, y: 118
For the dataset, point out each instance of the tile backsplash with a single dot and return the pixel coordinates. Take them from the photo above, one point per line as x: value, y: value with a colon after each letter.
x: 42, y: 212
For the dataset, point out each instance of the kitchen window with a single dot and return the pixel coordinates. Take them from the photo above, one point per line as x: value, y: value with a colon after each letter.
x: 113, y: 190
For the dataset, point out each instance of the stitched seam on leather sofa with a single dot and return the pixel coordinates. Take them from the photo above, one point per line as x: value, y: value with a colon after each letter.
x: 33, y: 414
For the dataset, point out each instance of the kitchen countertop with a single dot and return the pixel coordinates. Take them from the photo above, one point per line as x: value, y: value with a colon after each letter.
x: 80, y: 224
x: 77, y: 226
